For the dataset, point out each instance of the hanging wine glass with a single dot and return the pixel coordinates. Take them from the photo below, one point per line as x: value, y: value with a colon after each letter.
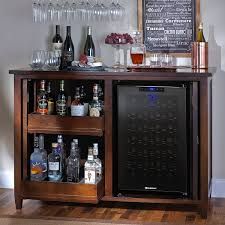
x: 50, y: 11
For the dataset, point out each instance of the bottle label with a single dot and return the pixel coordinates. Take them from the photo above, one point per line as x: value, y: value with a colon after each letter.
x: 61, y: 107
x: 36, y: 168
x: 53, y: 166
x: 90, y: 157
x: 68, y: 56
x: 77, y: 110
x: 50, y: 107
x: 57, y: 48
x: 42, y: 106
x: 94, y: 112
x: 90, y: 176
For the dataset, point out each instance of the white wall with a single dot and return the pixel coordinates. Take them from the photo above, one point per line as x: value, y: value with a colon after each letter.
x: 19, y: 36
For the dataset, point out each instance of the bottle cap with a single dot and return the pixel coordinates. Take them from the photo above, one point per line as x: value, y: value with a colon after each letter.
x: 89, y: 30
x: 95, y: 145
x: 200, y: 25
x: 54, y: 145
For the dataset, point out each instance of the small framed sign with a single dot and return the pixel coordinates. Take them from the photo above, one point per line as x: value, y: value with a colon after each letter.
x: 168, y: 25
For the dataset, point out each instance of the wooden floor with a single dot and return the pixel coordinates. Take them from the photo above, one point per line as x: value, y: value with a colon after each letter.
x: 109, y: 211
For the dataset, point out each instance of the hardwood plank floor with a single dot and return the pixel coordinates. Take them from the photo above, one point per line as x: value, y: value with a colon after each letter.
x: 129, y: 213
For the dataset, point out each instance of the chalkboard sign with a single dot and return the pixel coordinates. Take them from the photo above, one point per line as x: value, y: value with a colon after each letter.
x: 169, y: 25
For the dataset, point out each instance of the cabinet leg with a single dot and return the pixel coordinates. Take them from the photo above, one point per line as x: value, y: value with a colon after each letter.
x: 19, y: 203
x: 204, y: 212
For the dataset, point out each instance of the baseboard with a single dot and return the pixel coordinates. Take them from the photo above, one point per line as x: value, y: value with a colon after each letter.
x: 218, y: 188
x: 6, y: 179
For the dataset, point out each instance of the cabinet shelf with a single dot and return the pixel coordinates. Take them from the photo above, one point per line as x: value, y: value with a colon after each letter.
x: 63, y: 191
x: 54, y: 124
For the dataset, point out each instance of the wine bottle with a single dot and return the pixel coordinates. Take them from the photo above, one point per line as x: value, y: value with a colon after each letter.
x: 57, y: 42
x: 68, y: 50
x: 89, y: 48
x: 200, y: 35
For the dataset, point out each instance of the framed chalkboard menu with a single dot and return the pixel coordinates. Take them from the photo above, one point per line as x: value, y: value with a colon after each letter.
x: 168, y: 25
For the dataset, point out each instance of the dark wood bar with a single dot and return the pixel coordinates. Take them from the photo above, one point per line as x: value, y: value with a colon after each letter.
x: 27, y: 123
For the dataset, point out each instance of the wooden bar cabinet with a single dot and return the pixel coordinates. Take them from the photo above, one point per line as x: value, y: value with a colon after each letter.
x: 26, y: 122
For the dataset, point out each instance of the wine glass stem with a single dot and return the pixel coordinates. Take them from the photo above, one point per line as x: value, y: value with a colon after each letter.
x: 117, y: 55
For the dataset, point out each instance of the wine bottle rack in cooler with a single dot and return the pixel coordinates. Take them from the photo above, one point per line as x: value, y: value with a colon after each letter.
x: 152, y: 139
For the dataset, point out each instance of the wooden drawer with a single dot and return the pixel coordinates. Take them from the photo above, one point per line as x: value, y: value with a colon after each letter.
x: 54, y: 124
x: 65, y: 192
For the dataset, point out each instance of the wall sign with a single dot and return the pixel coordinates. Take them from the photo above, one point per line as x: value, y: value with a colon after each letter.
x: 169, y: 25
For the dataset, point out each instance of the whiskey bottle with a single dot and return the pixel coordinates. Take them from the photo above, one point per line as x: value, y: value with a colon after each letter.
x: 95, y: 107
x: 90, y: 175
x: 73, y: 164
x: 77, y: 107
x: 50, y: 99
x: 83, y: 95
x: 97, y: 161
x: 44, y: 155
x: 61, y: 103
x: 54, y: 164
x: 42, y: 103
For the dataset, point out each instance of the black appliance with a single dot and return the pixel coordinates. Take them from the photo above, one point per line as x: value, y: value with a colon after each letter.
x: 152, y: 140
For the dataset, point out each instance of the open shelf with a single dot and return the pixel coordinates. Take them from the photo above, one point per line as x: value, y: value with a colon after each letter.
x: 54, y: 124
x: 63, y: 191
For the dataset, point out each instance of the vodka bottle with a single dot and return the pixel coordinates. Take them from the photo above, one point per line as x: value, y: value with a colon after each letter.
x: 97, y: 161
x: 54, y: 164
x: 44, y: 156
x: 95, y: 107
x: 61, y: 151
x: 36, y: 163
x: 90, y: 175
x: 73, y: 164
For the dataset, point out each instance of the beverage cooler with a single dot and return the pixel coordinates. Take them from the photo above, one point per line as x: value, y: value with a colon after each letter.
x: 154, y: 147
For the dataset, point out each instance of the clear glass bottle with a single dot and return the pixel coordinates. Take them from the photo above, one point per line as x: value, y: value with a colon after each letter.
x: 61, y: 151
x: 95, y: 107
x: 90, y: 175
x: 36, y: 163
x: 137, y: 49
x: 97, y: 161
x: 54, y: 164
x: 61, y: 103
x: 42, y: 103
x: 73, y: 164
x: 44, y: 156
x: 77, y: 107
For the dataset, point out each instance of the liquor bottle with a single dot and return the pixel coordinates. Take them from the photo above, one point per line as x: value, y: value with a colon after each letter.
x: 57, y: 42
x: 97, y: 161
x: 89, y: 48
x: 77, y: 108
x: 73, y: 164
x: 50, y: 99
x: 200, y: 35
x: 42, y: 103
x: 61, y: 103
x: 96, y: 108
x: 36, y: 163
x: 68, y: 50
x: 54, y: 164
x: 44, y: 155
x: 83, y: 95
x: 61, y: 151
x: 90, y: 175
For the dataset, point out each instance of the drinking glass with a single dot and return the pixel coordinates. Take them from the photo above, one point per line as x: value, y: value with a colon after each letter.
x: 167, y: 60
x: 58, y: 12
x: 52, y: 62
x: 50, y: 11
x: 120, y: 11
x: 97, y: 11
x: 67, y: 12
x: 155, y: 60
x: 35, y: 11
x: 37, y: 60
x: 81, y: 10
x: 113, y: 11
